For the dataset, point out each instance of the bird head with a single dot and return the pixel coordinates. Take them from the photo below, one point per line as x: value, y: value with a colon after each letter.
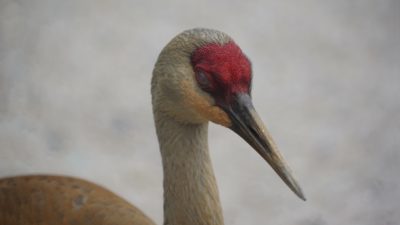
x: 202, y: 75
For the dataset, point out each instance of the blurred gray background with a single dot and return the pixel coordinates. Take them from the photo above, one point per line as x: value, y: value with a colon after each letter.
x: 75, y: 100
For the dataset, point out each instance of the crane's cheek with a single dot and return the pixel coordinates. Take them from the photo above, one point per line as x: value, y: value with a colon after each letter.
x: 204, y: 107
x: 216, y: 115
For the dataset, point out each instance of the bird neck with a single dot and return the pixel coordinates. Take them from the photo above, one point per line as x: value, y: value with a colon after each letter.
x: 190, y: 189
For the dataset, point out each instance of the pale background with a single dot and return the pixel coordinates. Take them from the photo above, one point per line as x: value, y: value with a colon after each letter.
x: 75, y: 100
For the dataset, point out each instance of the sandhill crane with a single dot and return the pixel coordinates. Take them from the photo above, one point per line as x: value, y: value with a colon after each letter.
x: 200, y: 76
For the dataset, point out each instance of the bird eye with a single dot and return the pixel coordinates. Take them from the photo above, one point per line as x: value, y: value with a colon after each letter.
x: 202, y: 79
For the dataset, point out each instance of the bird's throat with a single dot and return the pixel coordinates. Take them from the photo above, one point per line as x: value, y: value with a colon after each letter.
x: 190, y: 190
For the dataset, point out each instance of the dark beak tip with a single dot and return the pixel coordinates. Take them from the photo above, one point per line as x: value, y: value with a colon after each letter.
x: 295, y: 187
x: 301, y: 196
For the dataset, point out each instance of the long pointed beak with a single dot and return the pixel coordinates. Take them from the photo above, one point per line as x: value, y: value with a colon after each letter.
x: 247, y: 124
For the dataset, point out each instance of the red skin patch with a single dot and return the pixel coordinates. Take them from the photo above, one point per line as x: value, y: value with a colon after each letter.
x: 227, y: 69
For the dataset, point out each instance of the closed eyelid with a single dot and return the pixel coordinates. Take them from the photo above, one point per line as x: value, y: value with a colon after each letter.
x: 202, y: 77
x: 205, y: 80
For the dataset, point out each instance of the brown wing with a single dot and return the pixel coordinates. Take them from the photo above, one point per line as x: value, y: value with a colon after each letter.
x: 58, y: 200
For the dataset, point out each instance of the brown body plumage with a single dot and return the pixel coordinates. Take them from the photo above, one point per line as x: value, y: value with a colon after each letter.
x: 185, y: 96
x: 34, y: 200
